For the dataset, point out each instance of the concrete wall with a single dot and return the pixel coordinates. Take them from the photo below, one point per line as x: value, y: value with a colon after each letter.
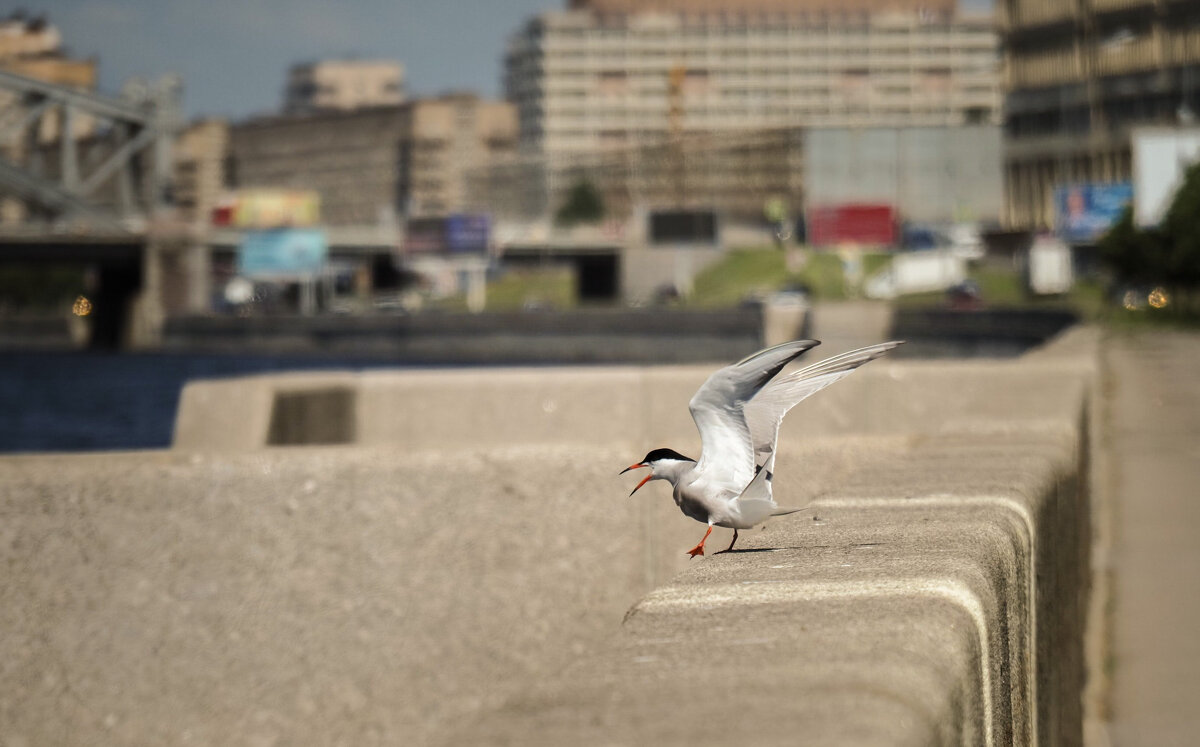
x: 459, y: 576
x: 586, y: 336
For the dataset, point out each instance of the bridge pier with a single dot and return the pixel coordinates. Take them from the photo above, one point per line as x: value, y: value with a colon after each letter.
x: 176, y: 279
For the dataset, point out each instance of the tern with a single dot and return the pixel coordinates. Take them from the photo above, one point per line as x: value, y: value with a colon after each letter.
x: 738, y: 411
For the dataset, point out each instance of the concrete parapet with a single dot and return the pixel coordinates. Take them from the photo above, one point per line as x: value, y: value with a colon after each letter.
x: 458, y: 576
x: 581, y: 336
x: 936, y: 597
x: 455, y: 408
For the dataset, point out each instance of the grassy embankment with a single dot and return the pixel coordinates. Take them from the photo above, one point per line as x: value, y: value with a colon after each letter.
x: 757, y: 272
x: 752, y: 271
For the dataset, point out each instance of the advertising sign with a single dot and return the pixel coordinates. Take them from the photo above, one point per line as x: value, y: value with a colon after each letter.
x: 282, y: 253
x: 269, y: 208
x: 467, y: 234
x: 1084, y: 212
x: 461, y: 233
x: 858, y: 224
x: 425, y: 236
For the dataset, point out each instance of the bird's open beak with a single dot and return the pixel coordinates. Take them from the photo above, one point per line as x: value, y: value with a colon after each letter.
x: 645, y: 479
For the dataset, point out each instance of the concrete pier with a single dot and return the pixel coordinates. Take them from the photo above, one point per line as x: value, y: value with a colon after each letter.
x: 450, y: 558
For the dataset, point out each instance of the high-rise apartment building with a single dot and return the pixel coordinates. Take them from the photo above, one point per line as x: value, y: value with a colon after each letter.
x: 604, y: 78
x: 341, y: 85
x: 730, y: 8
x: 1080, y: 74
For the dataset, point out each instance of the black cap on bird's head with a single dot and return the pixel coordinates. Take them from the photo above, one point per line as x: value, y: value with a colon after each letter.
x: 655, y: 457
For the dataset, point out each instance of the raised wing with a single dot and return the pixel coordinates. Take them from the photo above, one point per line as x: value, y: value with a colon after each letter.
x: 727, y: 455
x: 765, y: 411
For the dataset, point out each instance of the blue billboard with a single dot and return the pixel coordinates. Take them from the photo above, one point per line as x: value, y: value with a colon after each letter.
x: 282, y: 252
x: 1084, y: 212
x: 467, y: 233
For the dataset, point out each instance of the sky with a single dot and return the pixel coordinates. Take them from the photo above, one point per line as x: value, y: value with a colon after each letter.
x: 234, y: 55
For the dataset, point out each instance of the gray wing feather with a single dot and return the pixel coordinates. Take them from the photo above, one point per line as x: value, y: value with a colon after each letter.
x: 727, y: 454
x: 765, y: 411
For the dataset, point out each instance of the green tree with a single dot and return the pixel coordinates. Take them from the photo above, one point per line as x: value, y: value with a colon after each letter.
x: 583, y: 205
x: 1166, y: 255
x: 1181, y: 226
x: 1133, y: 255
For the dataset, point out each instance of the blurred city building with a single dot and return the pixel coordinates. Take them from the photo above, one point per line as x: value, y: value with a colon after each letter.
x: 731, y: 8
x: 372, y: 166
x: 691, y: 102
x: 343, y: 85
x: 70, y: 153
x: 199, y: 174
x: 1080, y: 76
x: 33, y: 47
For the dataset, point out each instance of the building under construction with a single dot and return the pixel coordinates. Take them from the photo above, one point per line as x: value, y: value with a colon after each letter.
x: 697, y: 104
x: 929, y: 174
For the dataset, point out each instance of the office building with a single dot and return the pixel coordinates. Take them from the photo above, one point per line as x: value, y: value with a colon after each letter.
x: 1079, y: 77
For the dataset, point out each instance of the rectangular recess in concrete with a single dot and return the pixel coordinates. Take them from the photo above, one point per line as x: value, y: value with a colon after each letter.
x: 313, y: 416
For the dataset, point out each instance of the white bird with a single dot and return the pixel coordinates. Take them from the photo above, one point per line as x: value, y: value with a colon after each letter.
x: 738, y: 411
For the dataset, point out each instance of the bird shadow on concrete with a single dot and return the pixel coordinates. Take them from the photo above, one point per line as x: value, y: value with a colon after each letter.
x: 770, y: 549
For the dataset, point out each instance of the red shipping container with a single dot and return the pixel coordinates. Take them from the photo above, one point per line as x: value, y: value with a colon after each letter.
x: 856, y: 223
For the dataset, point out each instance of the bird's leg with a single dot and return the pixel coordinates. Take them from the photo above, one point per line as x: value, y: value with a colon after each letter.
x: 699, y: 549
x: 731, y: 542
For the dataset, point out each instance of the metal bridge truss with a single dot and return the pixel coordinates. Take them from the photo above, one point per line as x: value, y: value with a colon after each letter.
x: 128, y: 152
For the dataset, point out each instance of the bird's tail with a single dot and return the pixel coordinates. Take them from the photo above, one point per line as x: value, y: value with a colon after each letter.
x: 786, y: 511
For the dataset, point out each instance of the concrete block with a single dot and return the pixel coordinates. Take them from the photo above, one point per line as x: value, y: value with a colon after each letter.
x: 308, y: 595
x: 942, y: 607
x: 448, y: 409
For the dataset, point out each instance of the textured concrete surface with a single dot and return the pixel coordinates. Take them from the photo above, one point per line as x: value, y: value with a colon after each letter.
x: 936, y: 598
x: 308, y: 596
x: 460, y: 576
x: 1154, y: 417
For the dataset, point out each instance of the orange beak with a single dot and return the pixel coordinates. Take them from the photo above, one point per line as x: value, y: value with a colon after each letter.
x: 645, y: 479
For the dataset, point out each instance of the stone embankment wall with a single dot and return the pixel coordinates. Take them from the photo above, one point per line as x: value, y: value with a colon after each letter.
x: 582, y: 336
x: 453, y: 566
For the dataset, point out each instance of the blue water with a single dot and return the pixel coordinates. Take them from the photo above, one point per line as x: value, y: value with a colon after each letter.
x: 83, y: 401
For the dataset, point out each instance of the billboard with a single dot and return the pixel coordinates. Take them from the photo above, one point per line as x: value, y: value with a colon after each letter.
x: 282, y: 253
x: 269, y: 208
x: 1160, y: 156
x: 425, y: 235
x: 467, y: 234
x: 1084, y: 212
x: 455, y: 234
x: 858, y: 224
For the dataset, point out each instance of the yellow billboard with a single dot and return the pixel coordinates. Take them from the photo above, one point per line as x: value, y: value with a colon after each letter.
x: 270, y: 208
